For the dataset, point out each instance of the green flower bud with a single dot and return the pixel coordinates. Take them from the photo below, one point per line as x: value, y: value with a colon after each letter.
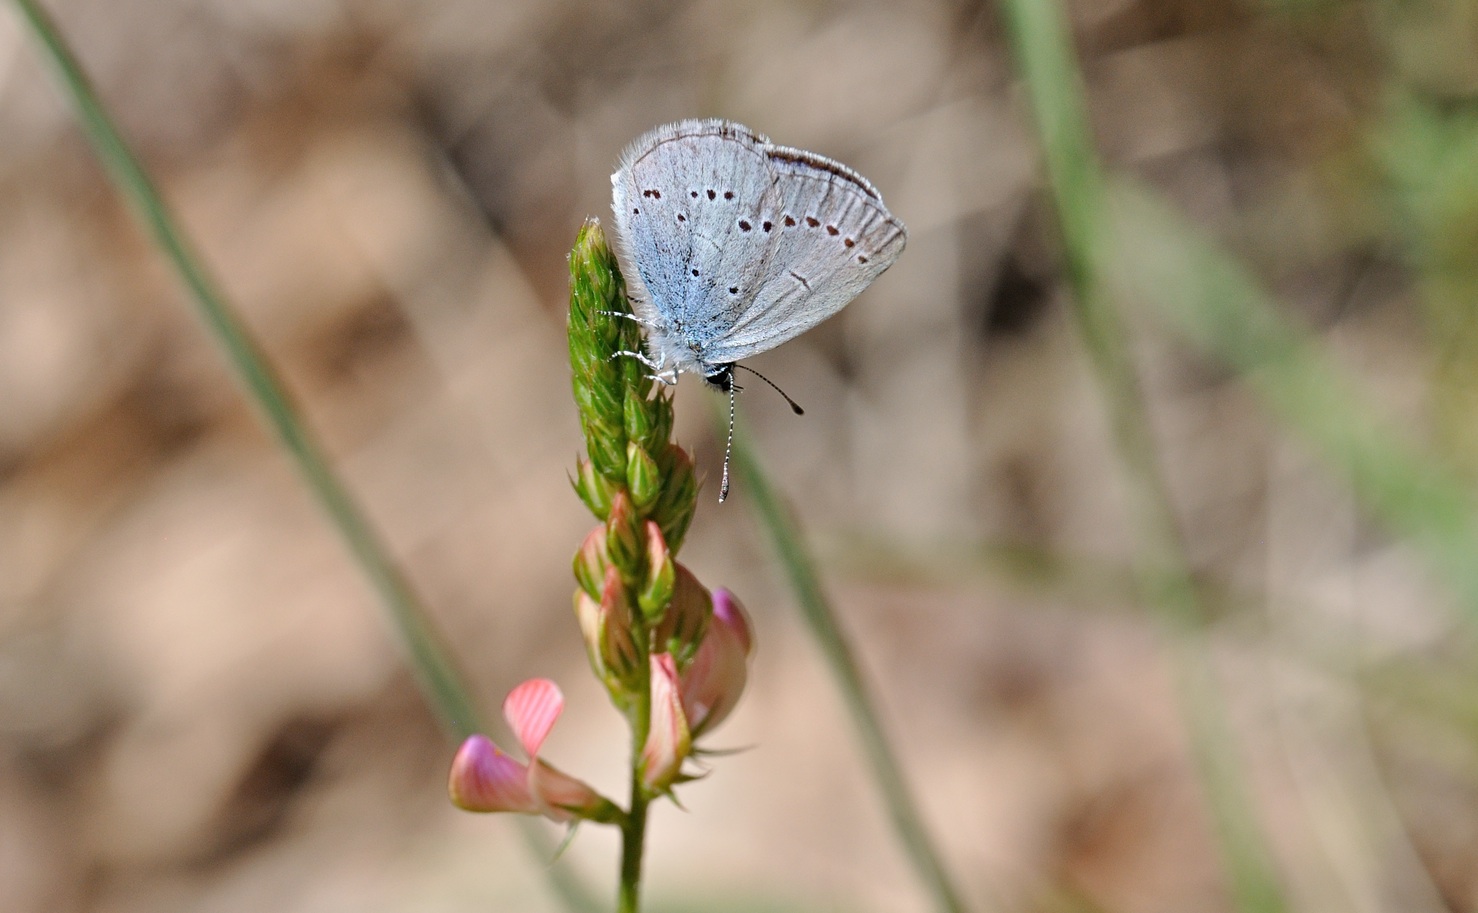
x: 686, y: 619
x: 606, y: 625
x: 593, y: 489
x: 607, y: 451
x: 642, y: 477
x: 637, y: 417
x: 591, y: 562
x: 657, y: 589
x: 674, y: 508
x: 660, y: 433
x: 624, y: 540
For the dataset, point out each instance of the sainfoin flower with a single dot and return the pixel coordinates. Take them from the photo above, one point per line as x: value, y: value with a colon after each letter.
x: 712, y: 683
x: 484, y: 778
x: 689, y: 703
x: 606, y: 625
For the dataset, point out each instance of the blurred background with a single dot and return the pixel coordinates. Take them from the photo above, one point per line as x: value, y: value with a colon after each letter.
x: 201, y: 707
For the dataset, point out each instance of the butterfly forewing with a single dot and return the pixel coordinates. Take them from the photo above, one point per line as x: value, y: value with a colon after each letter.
x: 740, y: 245
x: 691, y: 189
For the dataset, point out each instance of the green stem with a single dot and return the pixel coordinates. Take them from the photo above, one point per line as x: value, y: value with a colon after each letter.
x: 817, y: 613
x: 634, y: 826
x: 633, y: 836
x: 1043, y: 48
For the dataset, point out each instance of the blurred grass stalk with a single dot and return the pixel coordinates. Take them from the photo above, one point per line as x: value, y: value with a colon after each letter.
x: 1215, y: 302
x: 1044, y: 54
x: 445, y: 689
x: 430, y: 659
x: 1119, y: 237
x: 841, y: 662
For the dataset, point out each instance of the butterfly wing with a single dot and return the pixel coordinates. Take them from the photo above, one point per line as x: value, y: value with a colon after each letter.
x: 732, y: 245
x: 833, y: 236
x: 688, y: 241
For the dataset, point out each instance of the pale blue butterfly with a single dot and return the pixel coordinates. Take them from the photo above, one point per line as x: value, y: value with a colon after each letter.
x: 732, y: 245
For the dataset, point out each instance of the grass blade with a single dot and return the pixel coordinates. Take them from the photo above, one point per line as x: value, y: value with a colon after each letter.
x: 821, y: 621
x: 1044, y: 55
x: 438, y: 677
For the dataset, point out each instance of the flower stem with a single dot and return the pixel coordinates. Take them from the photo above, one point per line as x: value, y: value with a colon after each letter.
x: 634, y: 827
x: 633, y: 835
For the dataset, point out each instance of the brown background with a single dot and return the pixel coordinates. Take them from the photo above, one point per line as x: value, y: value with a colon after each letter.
x: 202, y: 709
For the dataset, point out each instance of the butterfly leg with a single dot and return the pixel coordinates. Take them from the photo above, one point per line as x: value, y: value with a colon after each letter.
x: 632, y: 317
x: 660, y: 372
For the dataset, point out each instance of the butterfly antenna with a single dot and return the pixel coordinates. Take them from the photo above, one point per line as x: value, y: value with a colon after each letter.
x: 723, y: 489
x: 794, y: 406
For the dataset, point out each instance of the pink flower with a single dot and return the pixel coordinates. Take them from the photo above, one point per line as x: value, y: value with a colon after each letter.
x: 668, y: 740
x: 486, y: 779
x: 686, y: 705
x: 685, y: 622
x: 606, y: 626
x: 712, y: 684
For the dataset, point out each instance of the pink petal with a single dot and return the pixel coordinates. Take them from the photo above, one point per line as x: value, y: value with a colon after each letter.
x: 728, y: 611
x: 668, y: 741
x: 531, y: 709
x: 713, y: 683
x: 484, y: 779
x: 559, y: 795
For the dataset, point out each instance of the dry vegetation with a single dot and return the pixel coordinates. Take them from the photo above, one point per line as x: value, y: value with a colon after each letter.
x: 202, y: 709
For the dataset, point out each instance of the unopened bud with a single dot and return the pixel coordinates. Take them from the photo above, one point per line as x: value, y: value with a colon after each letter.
x: 606, y: 445
x: 594, y: 489
x: 661, y: 430
x: 656, y: 590
x: 682, y: 629
x: 618, y: 649
x: 668, y: 740
x: 638, y: 420
x: 591, y: 562
x: 606, y: 627
x: 674, y: 508
x: 623, y: 535
x: 642, y: 477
